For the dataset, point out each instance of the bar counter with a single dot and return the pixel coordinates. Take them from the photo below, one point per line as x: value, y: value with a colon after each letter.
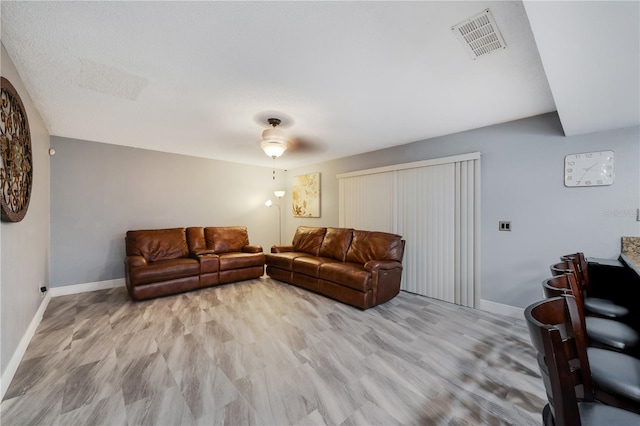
x: 630, y: 254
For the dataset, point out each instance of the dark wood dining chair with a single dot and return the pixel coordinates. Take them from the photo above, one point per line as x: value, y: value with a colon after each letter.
x: 601, y: 332
x: 596, y: 306
x: 566, y: 369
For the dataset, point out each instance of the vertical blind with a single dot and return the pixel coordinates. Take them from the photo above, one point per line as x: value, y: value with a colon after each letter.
x: 435, y: 206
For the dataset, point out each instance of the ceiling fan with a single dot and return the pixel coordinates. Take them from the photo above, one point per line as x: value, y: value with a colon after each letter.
x: 275, y: 141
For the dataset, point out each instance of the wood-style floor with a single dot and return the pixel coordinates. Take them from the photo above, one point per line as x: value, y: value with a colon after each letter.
x: 263, y: 352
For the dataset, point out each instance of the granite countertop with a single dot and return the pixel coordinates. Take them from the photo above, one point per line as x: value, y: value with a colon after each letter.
x: 631, y: 252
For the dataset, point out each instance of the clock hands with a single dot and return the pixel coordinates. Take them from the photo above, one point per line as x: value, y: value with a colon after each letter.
x: 587, y: 171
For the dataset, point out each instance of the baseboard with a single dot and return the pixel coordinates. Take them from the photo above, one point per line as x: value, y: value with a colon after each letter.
x: 83, y: 288
x: 12, y: 367
x: 499, y: 308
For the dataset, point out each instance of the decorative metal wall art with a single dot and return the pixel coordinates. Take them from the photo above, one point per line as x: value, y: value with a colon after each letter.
x: 305, y: 195
x: 16, y: 162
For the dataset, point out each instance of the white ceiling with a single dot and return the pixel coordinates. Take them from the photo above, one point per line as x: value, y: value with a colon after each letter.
x: 201, y: 78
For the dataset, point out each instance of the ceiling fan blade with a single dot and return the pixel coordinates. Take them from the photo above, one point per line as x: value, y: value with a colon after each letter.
x: 304, y: 145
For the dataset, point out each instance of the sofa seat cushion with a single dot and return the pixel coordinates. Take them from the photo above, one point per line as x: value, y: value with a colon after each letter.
x: 230, y: 261
x: 309, y: 265
x: 164, y: 270
x: 283, y: 260
x: 348, y: 274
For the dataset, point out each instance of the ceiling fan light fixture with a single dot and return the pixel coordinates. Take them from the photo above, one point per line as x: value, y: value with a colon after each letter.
x: 274, y: 140
x: 273, y: 149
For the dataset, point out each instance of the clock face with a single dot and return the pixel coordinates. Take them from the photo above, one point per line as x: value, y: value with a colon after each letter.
x: 589, y: 169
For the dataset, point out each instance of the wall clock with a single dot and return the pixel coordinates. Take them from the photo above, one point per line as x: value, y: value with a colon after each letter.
x: 589, y: 169
x: 16, y: 161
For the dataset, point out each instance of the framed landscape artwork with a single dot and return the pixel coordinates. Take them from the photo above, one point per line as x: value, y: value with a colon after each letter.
x: 305, y: 195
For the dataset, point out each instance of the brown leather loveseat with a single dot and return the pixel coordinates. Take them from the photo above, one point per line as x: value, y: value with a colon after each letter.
x: 161, y: 262
x: 360, y: 268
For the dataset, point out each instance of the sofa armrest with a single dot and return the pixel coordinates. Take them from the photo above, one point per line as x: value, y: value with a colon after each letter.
x: 209, y: 262
x: 202, y: 252
x: 281, y: 249
x: 134, y: 261
x: 252, y: 249
x: 374, y: 265
x: 385, y: 279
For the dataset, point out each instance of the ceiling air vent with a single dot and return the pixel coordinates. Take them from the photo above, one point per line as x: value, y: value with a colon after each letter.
x: 479, y: 35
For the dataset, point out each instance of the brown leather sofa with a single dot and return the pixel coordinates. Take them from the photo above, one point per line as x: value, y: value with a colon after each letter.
x: 161, y: 262
x: 360, y: 268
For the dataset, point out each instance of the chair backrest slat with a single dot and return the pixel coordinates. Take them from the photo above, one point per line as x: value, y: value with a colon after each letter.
x: 581, y: 267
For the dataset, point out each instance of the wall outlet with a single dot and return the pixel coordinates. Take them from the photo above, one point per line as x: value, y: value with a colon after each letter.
x: 42, y: 289
x: 504, y: 225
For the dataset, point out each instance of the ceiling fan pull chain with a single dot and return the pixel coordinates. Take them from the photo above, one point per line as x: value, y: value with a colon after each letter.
x: 274, y: 168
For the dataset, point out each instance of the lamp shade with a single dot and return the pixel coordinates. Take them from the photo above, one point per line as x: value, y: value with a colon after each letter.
x: 278, y: 194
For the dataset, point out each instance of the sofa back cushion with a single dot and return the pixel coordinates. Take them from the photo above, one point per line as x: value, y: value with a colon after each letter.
x: 336, y: 243
x: 308, y: 239
x: 226, y: 239
x: 195, y: 239
x: 367, y: 245
x: 157, y: 244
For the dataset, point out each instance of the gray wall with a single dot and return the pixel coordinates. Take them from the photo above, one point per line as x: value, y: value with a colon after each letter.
x: 522, y: 181
x: 25, y: 244
x: 99, y: 191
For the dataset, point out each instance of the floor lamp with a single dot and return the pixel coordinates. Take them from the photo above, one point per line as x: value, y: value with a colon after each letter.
x: 268, y: 203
